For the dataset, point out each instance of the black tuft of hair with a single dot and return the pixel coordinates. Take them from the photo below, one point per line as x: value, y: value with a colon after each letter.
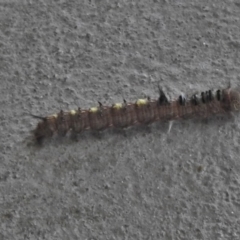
x: 162, y: 100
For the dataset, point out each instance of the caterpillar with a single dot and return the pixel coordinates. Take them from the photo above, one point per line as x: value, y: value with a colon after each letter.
x: 143, y: 111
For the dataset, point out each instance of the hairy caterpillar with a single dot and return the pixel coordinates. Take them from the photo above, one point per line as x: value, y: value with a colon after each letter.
x: 143, y: 111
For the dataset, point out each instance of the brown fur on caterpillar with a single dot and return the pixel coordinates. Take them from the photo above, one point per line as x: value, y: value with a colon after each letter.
x: 143, y: 111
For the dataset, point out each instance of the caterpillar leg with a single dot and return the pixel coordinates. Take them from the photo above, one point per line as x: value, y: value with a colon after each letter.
x: 74, y: 136
x: 170, y: 126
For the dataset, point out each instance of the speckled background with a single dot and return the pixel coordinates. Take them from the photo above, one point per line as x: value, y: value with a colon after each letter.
x: 143, y: 183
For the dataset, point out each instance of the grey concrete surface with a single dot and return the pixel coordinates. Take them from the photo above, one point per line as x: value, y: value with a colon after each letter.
x: 144, y: 183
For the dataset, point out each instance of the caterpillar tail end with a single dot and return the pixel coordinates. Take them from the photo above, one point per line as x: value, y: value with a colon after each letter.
x: 234, y: 99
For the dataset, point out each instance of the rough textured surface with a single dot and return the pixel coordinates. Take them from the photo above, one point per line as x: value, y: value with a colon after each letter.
x: 143, y: 184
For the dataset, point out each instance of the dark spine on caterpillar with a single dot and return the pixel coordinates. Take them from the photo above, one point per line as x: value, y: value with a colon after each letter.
x: 143, y: 111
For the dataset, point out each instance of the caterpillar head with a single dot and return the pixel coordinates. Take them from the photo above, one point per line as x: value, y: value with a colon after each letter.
x: 45, y: 128
x: 234, y: 99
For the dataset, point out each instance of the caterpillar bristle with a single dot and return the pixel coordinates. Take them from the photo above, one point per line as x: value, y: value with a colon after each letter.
x: 162, y: 97
x: 38, y: 117
x: 182, y: 100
